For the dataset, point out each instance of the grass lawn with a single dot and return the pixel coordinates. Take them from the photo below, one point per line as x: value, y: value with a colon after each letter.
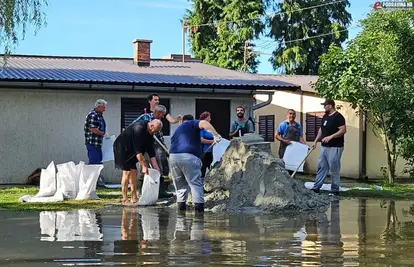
x: 9, y: 200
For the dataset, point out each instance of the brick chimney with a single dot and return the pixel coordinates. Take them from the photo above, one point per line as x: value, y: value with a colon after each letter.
x: 142, y: 52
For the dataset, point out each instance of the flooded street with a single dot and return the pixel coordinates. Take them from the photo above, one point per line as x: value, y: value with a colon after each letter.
x: 353, y: 232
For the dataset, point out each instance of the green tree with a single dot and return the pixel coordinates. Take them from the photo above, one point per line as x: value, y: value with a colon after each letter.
x: 16, y: 16
x: 302, y: 57
x: 376, y: 74
x: 218, y: 30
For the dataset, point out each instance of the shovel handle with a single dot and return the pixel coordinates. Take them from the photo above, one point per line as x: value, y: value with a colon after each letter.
x: 310, y: 151
x: 162, y: 145
x: 205, y: 152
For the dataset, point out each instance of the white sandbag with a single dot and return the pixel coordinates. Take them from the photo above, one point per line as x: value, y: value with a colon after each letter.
x: 327, y: 187
x: 219, y: 149
x: 58, y: 197
x: 150, y: 188
x: 77, y: 173
x: 47, y: 181
x: 294, y: 155
x: 87, y: 182
x: 114, y: 186
x: 66, y: 180
x: 108, y: 149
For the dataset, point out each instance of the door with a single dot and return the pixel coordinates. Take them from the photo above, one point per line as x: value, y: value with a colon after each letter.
x: 220, y: 114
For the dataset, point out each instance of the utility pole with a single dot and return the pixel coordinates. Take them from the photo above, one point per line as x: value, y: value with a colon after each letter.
x: 245, y: 56
x: 184, y: 26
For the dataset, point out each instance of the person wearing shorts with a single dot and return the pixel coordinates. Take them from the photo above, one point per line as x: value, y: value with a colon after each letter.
x: 129, y: 149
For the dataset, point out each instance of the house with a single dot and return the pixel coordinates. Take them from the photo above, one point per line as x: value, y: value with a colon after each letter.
x: 364, y: 153
x: 45, y: 99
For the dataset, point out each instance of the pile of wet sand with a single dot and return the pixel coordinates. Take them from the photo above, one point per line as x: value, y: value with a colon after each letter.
x: 250, y: 178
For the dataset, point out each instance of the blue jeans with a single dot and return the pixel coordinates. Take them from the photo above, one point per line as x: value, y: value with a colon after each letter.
x: 329, y: 159
x: 94, y: 154
x: 186, y: 173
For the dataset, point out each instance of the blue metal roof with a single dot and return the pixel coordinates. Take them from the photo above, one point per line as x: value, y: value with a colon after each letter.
x: 121, y: 70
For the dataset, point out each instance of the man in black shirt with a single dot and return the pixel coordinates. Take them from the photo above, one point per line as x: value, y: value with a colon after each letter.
x: 331, y: 134
x: 129, y: 149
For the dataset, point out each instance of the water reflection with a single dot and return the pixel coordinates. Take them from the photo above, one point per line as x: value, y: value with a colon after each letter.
x: 352, y: 232
x: 80, y: 225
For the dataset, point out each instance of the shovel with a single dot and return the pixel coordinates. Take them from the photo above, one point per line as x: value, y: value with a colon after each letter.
x: 205, y: 152
x: 310, y: 151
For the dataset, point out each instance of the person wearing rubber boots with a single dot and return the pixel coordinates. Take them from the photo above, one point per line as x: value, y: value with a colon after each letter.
x: 185, y: 161
x: 288, y: 131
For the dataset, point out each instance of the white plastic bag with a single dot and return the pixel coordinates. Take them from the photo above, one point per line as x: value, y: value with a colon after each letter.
x: 108, y: 149
x: 219, y: 149
x: 294, y: 155
x: 67, y: 181
x: 150, y: 188
x: 77, y: 174
x: 47, y: 181
x: 87, y: 182
x: 58, y: 197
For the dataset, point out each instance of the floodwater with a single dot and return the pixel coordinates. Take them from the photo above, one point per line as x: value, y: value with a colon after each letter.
x: 353, y: 232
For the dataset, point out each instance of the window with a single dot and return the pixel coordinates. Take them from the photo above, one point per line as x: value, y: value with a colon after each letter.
x: 313, y: 123
x: 267, y: 127
x: 132, y: 108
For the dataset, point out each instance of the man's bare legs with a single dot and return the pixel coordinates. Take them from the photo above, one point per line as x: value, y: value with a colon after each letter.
x: 124, y: 184
x: 133, y: 182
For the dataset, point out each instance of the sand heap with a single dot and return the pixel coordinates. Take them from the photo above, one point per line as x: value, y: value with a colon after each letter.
x: 250, y: 178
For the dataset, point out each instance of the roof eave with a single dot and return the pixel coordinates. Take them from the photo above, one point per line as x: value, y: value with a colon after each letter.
x: 128, y: 86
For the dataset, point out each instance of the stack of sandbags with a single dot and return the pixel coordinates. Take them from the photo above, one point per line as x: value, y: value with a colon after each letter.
x: 69, y: 182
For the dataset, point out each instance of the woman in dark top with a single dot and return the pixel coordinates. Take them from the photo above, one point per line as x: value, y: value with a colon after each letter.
x: 206, y: 139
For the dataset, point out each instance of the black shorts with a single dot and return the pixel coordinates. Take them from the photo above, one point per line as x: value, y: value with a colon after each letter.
x: 125, y: 164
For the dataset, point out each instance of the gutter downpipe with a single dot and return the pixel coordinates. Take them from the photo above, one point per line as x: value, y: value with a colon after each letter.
x: 266, y: 103
x: 261, y: 105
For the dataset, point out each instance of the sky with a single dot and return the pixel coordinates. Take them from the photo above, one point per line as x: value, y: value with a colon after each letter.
x: 106, y: 28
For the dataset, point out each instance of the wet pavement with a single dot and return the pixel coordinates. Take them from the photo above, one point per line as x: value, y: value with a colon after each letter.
x: 353, y: 232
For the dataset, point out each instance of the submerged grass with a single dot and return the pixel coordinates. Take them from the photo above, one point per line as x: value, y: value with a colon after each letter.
x: 9, y: 200
x: 395, y: 192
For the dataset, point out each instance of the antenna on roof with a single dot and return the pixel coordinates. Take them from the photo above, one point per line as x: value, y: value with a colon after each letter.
x: 184, y: 26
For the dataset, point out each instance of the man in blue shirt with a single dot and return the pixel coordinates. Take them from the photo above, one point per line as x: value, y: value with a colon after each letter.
x: 185, y: 160
x: 287, y: 131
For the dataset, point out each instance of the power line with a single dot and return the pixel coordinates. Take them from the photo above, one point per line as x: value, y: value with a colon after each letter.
x: 306, y: 38
x: 265, y: 15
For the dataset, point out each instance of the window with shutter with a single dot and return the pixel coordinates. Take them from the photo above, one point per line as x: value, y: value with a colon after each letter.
x: 267, y: 127
x: 313, y: 123
x: 132, y: 108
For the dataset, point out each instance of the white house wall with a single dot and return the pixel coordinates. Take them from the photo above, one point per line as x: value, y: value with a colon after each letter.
x: 38, y: 127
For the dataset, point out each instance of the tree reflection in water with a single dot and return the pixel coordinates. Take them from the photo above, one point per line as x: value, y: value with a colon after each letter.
x: 394, y: 229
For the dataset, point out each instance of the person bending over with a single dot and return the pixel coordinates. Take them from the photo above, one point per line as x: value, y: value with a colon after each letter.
x: 129, y: 149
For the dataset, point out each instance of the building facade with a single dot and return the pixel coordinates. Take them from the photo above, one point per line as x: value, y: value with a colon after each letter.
x: 45, y: 99
x: 363, y: 155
